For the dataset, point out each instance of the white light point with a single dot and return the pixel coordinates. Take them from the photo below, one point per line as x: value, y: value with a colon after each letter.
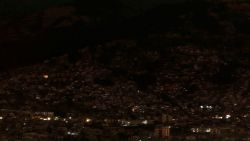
x: 145, y: 122
x: 45, y: 76
x: 228, y: 116
x: 88, y: 120
x: 208, y: 130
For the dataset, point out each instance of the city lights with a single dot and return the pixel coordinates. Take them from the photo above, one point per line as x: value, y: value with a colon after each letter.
x: 218, y: 117
x: 145, y: 122
x: 45, y: 76
x: 228, y: 116
x: 88, y: 120
x: 56, y: 118
x: 208, y: 130
x: 125, y: 70
x: 209, y: 107
x: 72, y: 133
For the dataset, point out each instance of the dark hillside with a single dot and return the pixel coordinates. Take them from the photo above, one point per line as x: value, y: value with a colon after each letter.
x: 43, y: 42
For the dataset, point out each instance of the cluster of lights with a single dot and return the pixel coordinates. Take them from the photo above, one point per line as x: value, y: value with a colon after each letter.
x: 65, y: 120
x: 72, y: 133
x: 206, y: 107
x: 126, y: 123
x: 228, y: 116
x: 55, y: 118
x: 46, y: 119
x: 218, y: 117
x: 49, y: 118
x: 201, y: 130
x: 133, y: 123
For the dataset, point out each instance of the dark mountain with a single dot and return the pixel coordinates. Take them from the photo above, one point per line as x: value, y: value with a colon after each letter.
x: 70, y: 32
x: 178, y: 17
